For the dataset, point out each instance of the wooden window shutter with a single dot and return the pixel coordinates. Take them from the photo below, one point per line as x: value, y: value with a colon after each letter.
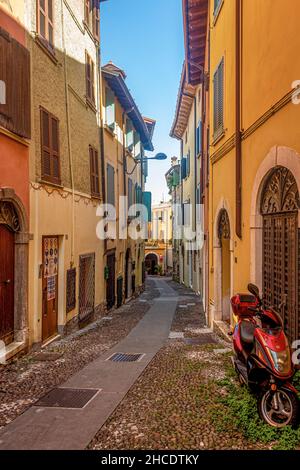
x: 15, y: 113
x: 87, y: 11
x: 93, y: 80
x: 110, y: 184
x: 219, y: 100
x: 55, y: 148
x: 94, y: 171
x: 45, y: 138
x: 96, y: 19
x: 50, y: 147
x: 90, y: 79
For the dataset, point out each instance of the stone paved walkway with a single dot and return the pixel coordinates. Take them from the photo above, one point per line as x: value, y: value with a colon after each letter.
x: 61, y: 428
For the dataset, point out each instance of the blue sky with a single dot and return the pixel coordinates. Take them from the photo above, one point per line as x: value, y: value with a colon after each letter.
x: 145, y: 38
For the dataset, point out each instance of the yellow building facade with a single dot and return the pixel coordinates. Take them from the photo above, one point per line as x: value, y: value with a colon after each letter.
x: 254, y: 156
x: 126, y: 137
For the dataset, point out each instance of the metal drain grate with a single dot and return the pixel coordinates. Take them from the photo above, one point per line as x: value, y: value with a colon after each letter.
x: 122, y: 357
x: 72, y: 398
x: 202, y: 339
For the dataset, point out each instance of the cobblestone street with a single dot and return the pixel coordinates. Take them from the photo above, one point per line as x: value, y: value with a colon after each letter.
x: 186, y: 397
x: 189, y: 397
x: 25, y: 380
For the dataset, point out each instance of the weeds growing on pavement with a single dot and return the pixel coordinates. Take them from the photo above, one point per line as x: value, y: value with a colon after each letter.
x: 237, y: 408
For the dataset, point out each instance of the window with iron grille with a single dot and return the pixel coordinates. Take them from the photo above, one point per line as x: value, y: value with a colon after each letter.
x: 50, y: 147
x: 90, y: 79
x: 45, y: 23
x: 71, y: 290
x: 92, y: 16
x: 86, y: 285
x: 94, y: 172
x: 219, y: 100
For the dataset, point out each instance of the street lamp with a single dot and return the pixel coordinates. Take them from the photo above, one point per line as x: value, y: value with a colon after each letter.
x: 159, y: 156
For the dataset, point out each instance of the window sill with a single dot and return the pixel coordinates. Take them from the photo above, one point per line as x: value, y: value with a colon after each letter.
x: 109, y: 130
x: 44, y: 45
x: 96, y: 196
x: 217, y: 12
x: 218, y: 137
x: 50, y: 183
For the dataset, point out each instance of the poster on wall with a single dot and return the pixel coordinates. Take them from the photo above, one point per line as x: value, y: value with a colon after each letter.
x: 51, y: 287
x: 50, y: 257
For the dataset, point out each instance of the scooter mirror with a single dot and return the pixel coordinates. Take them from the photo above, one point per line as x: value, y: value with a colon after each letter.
x: 253, y: 289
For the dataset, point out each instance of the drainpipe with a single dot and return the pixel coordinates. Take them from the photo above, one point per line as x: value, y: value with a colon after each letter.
x: 101, y: 129
x: 181, y: 206
x: 68, y: 135
x: 238, y: 165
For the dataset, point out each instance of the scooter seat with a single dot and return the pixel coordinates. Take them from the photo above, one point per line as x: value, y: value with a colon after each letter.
x: 247, y: 332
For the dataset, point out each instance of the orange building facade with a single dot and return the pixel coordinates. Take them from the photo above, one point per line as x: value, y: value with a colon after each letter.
x: 14, y: 184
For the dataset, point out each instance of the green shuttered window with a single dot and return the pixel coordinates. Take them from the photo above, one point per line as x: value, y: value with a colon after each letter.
x: 219, y: 100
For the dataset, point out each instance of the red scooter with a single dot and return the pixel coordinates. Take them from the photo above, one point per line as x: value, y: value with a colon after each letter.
x: 263, y: 359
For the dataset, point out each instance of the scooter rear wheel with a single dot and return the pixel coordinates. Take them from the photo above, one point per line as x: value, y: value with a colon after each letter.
x: 286, y: 414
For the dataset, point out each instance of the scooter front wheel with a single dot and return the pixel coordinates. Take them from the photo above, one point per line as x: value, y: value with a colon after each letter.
x: 279, y: 409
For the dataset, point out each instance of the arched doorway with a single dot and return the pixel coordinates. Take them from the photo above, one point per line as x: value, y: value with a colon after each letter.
x: 151, y: 261
x: 14, y: 240
x: 225, y: 277
x: 280, y: 245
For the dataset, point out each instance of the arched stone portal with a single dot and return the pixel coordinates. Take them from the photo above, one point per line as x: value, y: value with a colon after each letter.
x: 151, y: 261
x: 223, y: 264
x: 225, y: 287
x: 275, y: 213
x: 14, y: 241
x: 279, y: 209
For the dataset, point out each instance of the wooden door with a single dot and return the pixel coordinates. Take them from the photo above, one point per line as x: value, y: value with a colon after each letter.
x: 50, y: 286
x: 110, y: 283
x: 280, y: 267
x: 7, y: 250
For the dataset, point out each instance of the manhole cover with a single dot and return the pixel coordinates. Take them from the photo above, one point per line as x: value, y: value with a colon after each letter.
x: 203, y: 339
x: 122, y: 357
x: 74, y: 398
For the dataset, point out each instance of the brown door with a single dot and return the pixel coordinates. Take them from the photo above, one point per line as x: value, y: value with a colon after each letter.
x: 7, y: 249
x: 50, y: 286
x: 280, y: 267
x: 280, y: 207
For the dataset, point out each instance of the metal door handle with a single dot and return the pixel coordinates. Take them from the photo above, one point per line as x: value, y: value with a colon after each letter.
x: 8, y: 281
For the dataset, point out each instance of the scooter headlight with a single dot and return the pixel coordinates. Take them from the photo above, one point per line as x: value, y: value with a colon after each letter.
x: 282, y: 360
